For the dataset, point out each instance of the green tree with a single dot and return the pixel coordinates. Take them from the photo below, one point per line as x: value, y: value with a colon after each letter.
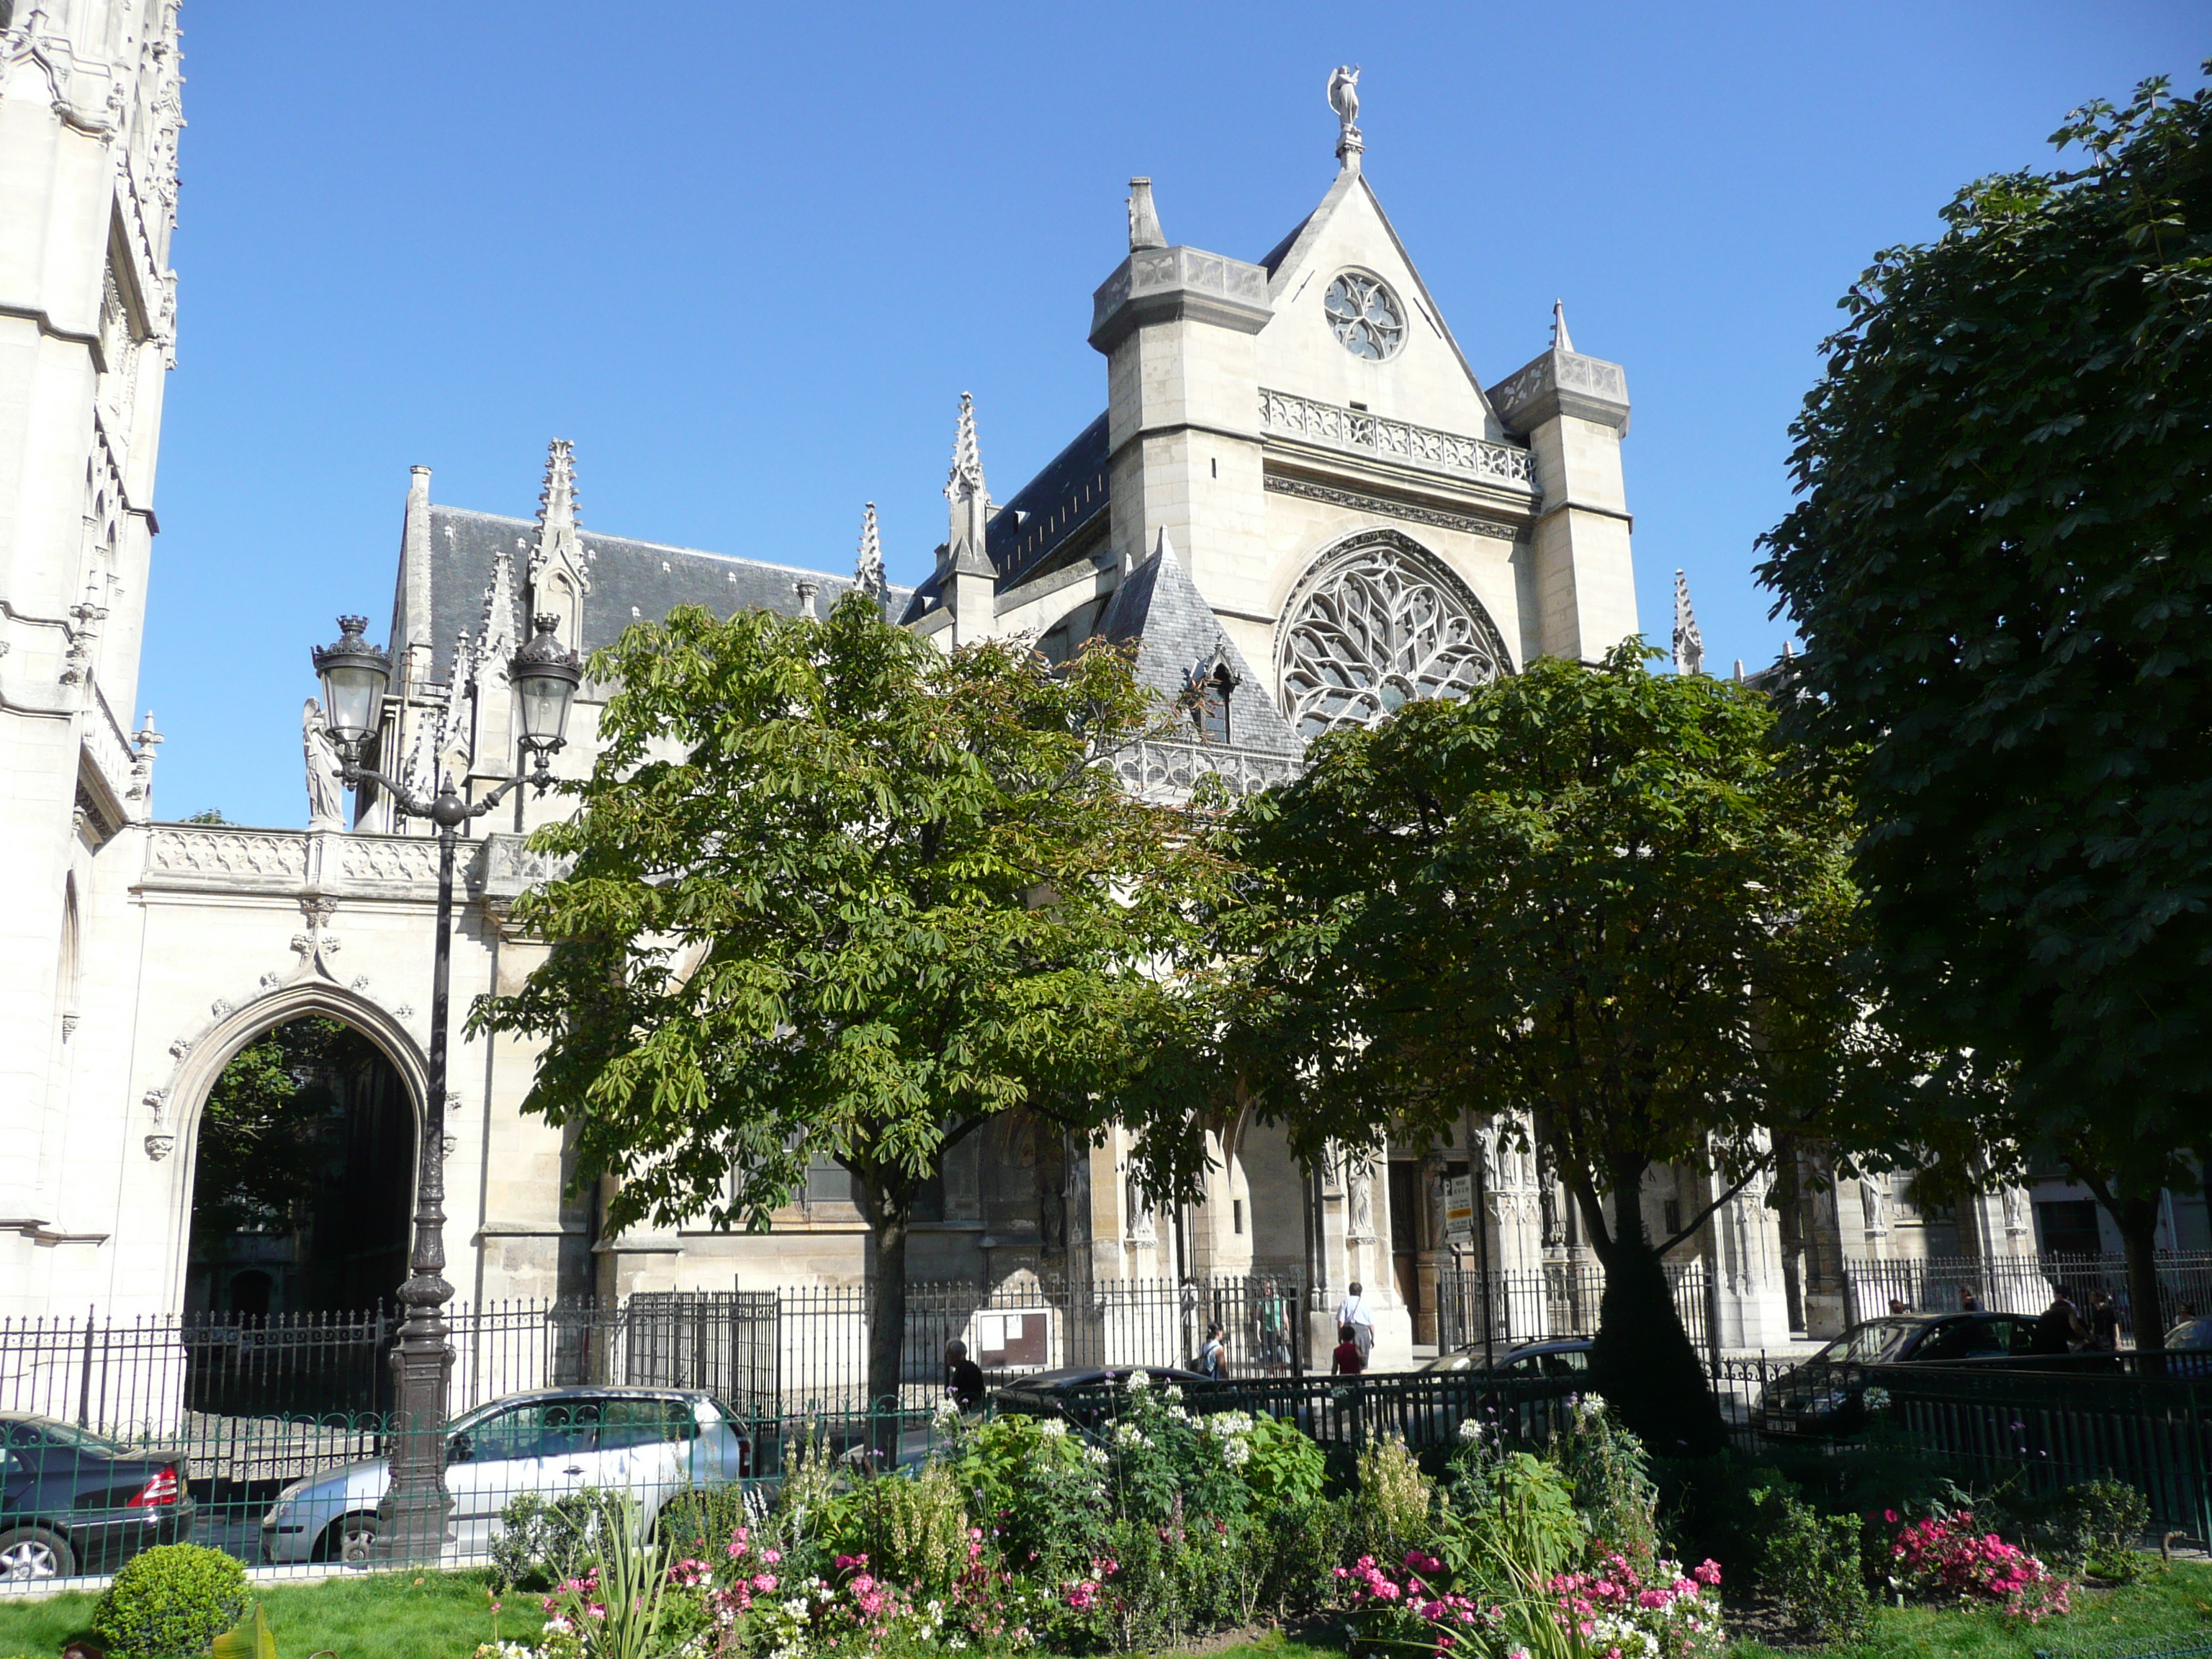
x: 259, y: 1152
x: 1595, y: 897
x: 835, y: 892
x: 2001, y: 565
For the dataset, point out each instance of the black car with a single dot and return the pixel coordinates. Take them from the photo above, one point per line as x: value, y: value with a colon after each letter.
x: 1822, y: 1397
x: 1554, y: 1355
x: 2190, y: 1344
x: 1074, y: 1395
x: 73, y: 1502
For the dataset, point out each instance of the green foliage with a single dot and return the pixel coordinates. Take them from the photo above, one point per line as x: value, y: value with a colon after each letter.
x: 1284, y: 1468
x: 630, y: 1582
x: 1602, y: 897
x: 1030, y: 1486
x: 807, y: 919
x: 1706, y: 1509
x: 1809, y: 1563
x: 1307, y: 1539
x: 251, y: 1640
x: 1611, y: 1475
x: 541, y: 1542
x: 1513, y: 1520
x: 913, y: 1531
x: 2096, y: 1527
x: 1397, y: 1504
x: 171, y: 1602
x: 2000, y: 567
x: 259, y: 1152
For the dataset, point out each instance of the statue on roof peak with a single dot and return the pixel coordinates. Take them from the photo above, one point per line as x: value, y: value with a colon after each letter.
x: 1344, y: 98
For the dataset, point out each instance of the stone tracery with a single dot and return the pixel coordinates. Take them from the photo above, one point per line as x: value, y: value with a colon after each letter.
x: 1374, y: 624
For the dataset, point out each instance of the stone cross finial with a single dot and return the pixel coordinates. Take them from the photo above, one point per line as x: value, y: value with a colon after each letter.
x: 1145, y: 230
x: 868, y: 570
x: 1689, y: 644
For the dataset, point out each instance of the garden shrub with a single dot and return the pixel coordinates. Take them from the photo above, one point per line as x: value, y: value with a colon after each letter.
x: 1395, y: 1501
x: 1034, y: 1488
x: 1284, y: 1467
x: 541, y: 1542
x: 1306, y: 1542
x: 1706, y: 1509
x: 1809, y: 1563
x: 1944, y: 1557
x: 1611, y: 1476
x: 171, y: 1602
x: 2093, y: 1528
x: 911, y: 1530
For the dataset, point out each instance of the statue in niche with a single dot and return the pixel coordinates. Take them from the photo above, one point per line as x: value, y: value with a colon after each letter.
x: 2015, y: 1209
x: 1363, y: 1199
x: 325, y: 787
x: 1873, y: 1194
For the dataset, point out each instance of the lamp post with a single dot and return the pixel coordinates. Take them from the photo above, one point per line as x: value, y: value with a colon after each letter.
x: 410, y: 1521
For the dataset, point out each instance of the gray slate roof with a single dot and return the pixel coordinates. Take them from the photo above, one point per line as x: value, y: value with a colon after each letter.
x: 1053, y: 509
x: 645, y: 576
x: 1179, y: 638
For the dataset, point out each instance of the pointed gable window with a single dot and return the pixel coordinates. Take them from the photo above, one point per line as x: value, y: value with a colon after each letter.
x: 1209, y: 707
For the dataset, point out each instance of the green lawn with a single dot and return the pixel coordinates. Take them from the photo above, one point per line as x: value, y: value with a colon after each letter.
x: 443, y: 1616
x: 386, y: 1615
x: 2172, y: 1601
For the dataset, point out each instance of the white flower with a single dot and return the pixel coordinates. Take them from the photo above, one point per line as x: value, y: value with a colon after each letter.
x: 1877, y: 1399
x: 1094, y: 1454
x: 1237, y: 1453
x: 1051, y: 1428
x: 1137, y: 1382
x: 946, y: 1416
x: 1470, y: 1431
x: 795, y: 1607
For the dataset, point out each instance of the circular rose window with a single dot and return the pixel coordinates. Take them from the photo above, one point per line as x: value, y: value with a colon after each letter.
x: 1366, y: 316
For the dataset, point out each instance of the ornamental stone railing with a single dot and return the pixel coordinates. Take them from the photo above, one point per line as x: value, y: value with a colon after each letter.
x: 1157, y: 284
x: 506, y: 865
x: 1356, y: 432
x: 1169, y: 771
x: 108, y: 748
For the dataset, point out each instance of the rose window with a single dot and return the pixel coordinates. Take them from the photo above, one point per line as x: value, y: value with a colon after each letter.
x: 1374, y: 626
x: 1366, y: 316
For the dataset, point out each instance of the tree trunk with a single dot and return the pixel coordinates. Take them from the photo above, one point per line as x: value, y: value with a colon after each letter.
x: 2138, y: 1222
x: 888, y: 1215
x: 1642, y: 1361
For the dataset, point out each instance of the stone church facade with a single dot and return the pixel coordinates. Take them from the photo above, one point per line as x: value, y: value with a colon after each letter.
x: 1301, y: 505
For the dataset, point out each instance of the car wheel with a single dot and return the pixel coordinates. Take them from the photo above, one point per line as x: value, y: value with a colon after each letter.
x: 350, y: 1539
x: 28, y: 1554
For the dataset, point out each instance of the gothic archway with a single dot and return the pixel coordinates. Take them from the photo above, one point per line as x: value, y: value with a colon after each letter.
x: 299, y: 1116
x: 1378, y: 621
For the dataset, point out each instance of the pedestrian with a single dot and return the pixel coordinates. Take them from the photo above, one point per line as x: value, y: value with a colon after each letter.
x: 964, y: 1378
x: 2059, y: 1328
x: 1213, y: 1358
x: 1353, y: 1311
x: 1897, y: 1307
x: 1968, y: 1302
x: 1348, y: 1360
x: 2104, y: 1324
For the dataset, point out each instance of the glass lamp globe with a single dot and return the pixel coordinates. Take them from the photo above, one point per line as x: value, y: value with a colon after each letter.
x: 354, y: 674
x: 546, y: 675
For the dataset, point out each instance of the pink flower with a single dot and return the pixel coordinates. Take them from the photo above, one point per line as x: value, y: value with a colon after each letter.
x: 771, y: 1556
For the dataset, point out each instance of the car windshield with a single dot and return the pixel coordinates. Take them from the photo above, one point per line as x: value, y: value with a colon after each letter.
x: 1876, y: 1340
x: 51, y: 1431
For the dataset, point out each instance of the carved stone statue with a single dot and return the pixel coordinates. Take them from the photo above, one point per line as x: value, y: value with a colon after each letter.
x: 1874, y: 1193
x: 1344, y: 98
x: 1363, y: 1201
x: 326, y: 789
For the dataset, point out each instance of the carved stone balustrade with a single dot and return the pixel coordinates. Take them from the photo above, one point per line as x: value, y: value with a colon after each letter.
x: 1354, y: 431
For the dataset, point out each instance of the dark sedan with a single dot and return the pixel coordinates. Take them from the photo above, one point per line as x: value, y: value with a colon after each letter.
x: 1823, y: 1398
x: 1073, y: 1395
x: 1556, y: 1356
x: 73, y: 1502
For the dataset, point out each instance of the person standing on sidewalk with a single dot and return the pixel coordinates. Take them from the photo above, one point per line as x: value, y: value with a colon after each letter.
x: 1353, y: 1311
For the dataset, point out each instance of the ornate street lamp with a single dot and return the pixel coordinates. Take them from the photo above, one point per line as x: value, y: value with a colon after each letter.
x: 410, y: 1521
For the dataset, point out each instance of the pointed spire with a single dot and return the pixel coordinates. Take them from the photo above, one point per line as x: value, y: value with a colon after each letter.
x: 1143, y: 218
x: 556, y: 516
x: 1561, y: 340
x: 495, y: 640
x: 868, y: 571
x: 967, y: 454
x: 1689, y: 644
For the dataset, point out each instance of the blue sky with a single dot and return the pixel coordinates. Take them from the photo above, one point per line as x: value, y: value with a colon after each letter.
x: 748, y: 259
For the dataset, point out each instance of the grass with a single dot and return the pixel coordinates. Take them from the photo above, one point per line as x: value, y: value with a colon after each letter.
x: 386, y: 1615
x: 400, y: 1615
x: 2172, y: 1600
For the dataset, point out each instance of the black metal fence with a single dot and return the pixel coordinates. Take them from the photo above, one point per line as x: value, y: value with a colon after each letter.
x: 1559, y: 1298
x: 2025, y: 1285
x: 763, y: 1352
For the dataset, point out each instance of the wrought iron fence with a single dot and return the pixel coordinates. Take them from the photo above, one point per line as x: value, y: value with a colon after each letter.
x: 2024, y: 1284
x: 763, y: 1353
x: 1559, y: 1298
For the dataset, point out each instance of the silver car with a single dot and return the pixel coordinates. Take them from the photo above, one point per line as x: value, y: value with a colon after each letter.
x: 651, y: 1444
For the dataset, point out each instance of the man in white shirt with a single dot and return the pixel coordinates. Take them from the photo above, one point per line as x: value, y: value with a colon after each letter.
x: 1353, y: 1311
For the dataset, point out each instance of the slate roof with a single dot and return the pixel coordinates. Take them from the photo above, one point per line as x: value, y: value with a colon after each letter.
x: 1047, y: 516
x: 645, y: 576
x: 1178, y: 637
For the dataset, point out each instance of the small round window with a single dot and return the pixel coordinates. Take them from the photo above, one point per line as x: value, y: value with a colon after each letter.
x: 1365, y: 315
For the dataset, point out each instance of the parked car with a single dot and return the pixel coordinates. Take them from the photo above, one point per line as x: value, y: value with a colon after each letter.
x: 1061, y: 1394
x: 73, y: 1502
x: 2191, y: 1342
x: 1820, y: 1398
x: 1556, y: 1356
x: 652, y: 1443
